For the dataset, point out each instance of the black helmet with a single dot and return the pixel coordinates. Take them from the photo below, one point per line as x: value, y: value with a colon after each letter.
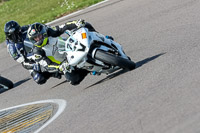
x: 12, y: 31
x: 38, y: 30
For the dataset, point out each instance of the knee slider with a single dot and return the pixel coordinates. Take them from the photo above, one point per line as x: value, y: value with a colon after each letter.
x: 38, y: 78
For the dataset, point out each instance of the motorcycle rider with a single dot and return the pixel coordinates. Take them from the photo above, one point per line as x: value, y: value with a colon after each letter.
x: 41, y: 36
x: 15, y: 36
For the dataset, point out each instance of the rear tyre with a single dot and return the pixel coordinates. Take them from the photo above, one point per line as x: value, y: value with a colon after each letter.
x: 114, y: 60
x: 5, y: 83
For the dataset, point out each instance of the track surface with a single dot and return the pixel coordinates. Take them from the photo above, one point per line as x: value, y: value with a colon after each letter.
x: 161, y: 96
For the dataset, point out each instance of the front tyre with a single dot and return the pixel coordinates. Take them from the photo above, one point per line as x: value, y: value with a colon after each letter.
x: 5, y: 83
x: 114, y: 60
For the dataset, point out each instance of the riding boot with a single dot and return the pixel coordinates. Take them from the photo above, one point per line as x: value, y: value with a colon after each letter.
x: 75, y: 77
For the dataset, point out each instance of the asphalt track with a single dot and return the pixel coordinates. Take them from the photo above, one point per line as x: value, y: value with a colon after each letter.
x: 160, y: 96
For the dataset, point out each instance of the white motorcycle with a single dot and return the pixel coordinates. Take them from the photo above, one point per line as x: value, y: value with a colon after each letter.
x: 92, y: 51
x: 82, y: 49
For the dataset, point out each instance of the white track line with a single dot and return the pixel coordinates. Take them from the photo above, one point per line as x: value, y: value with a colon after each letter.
x: 61, y: 106
x: 64, y: 17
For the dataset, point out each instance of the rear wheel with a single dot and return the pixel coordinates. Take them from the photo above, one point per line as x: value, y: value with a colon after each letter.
x: 5, y: 83
x: 114, y: 60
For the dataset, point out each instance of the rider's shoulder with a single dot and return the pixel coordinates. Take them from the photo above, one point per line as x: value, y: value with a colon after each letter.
x: 25, y: 27
x: 9, y: 42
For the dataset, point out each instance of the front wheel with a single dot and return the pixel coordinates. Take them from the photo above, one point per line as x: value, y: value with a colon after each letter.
x: 5, y: 83
x: 114, y: 60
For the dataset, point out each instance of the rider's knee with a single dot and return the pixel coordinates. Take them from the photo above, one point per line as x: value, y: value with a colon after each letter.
x: 38, y: 78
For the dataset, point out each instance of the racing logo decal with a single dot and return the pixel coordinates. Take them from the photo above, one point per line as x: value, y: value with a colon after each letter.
x: 82, y: 47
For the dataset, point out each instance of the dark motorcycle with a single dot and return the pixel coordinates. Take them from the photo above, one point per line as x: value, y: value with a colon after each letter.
x: 5, y: 83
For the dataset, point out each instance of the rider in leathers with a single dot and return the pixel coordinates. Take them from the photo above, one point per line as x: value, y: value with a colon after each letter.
x: 41, y: 36
x: 15, y: 36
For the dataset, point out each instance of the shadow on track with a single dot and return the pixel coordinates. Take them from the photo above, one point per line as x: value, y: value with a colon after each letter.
x: 15, y: 85
x: 59, y: 84
x: 21, y: 82
x: 109, y: 77
x: 138, y: 64
x: 3, y: 90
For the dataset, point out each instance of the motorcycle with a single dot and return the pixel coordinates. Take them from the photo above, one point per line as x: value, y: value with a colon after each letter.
x: 84, y: 49
x: 5, y: 83
x: 93, y: 51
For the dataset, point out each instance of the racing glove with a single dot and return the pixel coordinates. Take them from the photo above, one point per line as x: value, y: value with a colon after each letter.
x: 80, y: 23
x: 64, y: 67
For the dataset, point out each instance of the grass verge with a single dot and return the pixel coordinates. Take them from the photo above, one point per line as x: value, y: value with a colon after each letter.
x: 43, y: 11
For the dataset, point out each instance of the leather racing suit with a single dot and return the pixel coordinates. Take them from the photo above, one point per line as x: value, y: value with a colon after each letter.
x: 49, y: 59
x: 18, y: 52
